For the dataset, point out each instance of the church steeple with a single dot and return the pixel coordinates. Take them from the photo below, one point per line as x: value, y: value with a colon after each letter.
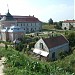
x: 8, y: 8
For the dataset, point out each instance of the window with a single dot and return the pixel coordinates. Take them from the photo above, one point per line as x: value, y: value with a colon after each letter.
x: 17, y: 24
x: 53, y: 55
x: 11, y: 28
x: 24, y: 28
x: 24, y: 24
x: 41, y: 45
x: 21, y: 24
x: 17, y: 28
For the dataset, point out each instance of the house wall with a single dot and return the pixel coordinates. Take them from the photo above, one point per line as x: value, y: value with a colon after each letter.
x: 15, y: 35
x: 65, y: 25
x: 3, y: 36
x: 27, y: 26
x: 37, y: 45
x: 58, y: 50
x: 30, y: 26
x: 10, y: 36
x: 7, y: 23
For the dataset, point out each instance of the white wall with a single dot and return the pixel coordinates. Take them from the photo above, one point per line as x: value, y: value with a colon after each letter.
x: 65, y: 25
x: 37, y: 45
x: 29, y: 27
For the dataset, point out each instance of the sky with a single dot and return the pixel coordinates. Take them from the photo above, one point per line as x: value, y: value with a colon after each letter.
x: 58, y: 10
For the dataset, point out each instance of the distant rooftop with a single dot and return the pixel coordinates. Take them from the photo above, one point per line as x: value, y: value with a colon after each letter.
x: 69, y: 21
x: 18, y: 18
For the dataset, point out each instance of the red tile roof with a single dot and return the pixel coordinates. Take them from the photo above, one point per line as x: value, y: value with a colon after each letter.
x: 69, y: 21
x: 24, y: 18
x: 55, y: 41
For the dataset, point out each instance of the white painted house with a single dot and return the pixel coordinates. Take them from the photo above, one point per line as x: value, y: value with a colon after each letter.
x: 51, y: 47
x: 68, y: 24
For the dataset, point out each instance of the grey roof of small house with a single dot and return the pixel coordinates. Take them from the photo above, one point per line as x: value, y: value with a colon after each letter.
x: 55, y: 41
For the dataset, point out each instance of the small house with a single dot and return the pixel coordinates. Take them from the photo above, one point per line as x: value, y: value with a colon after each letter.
x: 51, y: 47
x: 68, y: 24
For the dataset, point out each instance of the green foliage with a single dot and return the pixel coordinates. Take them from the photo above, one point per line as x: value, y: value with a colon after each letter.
x: 6, y: 46
x: 31, y: 45
x: 19, y: 64
x: 71, y: 38
x: 19, y: 46
x: 58, y: 25
x: 50, y: 21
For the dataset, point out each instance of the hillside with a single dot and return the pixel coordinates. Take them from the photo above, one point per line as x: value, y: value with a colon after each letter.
x: 19, y: 63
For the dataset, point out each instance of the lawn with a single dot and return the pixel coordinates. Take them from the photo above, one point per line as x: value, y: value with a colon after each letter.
x: 47, y: 27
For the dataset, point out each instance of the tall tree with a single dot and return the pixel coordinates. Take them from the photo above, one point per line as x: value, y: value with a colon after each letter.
x: 50, y: 21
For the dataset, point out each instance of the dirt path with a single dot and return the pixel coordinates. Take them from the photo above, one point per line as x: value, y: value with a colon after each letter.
x: 1, y: 65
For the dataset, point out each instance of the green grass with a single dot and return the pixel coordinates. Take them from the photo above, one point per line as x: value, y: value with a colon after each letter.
x: 19, y: 63
x: 47, y: 27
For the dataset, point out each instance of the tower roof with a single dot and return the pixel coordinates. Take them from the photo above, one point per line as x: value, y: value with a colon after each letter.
x: 8, y: 17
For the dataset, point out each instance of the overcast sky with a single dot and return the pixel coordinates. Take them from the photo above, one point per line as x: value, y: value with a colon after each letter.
x: 43, y: 9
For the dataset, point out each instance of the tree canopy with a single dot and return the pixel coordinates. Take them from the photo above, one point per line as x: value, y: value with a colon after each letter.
x: 50, y: 21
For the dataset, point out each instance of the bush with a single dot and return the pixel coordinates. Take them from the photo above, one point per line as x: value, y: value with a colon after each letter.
x: 31, y: 45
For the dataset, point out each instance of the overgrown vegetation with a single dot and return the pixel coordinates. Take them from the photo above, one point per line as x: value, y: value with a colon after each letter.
x: 18, y: 63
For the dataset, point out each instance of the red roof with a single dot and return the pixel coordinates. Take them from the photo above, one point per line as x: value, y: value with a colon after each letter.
x: 24, y: 18
x: 69, y: 21
x: 55, y: 41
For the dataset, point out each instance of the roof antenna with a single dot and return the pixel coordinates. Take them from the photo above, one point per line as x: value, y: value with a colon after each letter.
x: 8, y: 7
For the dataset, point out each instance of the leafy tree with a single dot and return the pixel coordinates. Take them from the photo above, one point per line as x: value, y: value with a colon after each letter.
x: 58, y: 24
x: 50, y: 21
x: 71, y: 38
x: 19, y: 46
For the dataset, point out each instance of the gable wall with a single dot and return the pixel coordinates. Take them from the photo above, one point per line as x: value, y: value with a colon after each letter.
x: 37, y: 45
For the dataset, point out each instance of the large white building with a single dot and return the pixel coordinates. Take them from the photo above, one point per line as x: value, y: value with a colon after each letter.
x: 27, y: 23
x: 15, y: 27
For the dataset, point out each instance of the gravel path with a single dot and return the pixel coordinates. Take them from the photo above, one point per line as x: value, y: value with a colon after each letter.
x: 1, y: 65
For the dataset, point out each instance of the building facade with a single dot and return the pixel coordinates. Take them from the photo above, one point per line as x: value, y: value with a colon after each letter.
x: 68, y: 24
x: 15, y: 27
x: 27, y: 23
